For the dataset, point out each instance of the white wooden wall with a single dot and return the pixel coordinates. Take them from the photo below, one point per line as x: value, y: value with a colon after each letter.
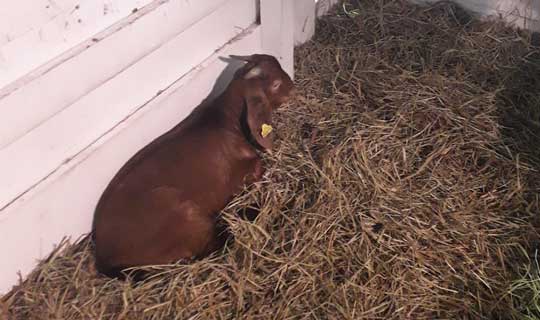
x: 34, y: 31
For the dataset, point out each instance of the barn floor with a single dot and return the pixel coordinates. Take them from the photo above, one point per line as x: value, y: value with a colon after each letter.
x: 404, y: 185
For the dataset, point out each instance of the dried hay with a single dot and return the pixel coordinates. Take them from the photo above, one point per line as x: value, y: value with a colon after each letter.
x: 404, y: 186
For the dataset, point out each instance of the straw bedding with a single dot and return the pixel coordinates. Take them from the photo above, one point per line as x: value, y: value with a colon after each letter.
x: 404, y: 185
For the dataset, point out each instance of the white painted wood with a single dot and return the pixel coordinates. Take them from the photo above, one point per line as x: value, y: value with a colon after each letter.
x: 43, y: 93
x: 63, y: 204
x: 520, y: 13
x: 57, y: 140
x: 271, y: 26
x: 35, y: 31
x: 287, y: 37
x: 304, y: 20
x: 277, y: 29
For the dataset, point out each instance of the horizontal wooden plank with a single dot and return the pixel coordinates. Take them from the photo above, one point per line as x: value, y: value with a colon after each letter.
x: 37, y: 154
x: 33, y: 99
x: 33, y: 32
x: 63, y: 204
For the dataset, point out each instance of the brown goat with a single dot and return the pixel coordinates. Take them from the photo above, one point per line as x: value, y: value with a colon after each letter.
x: 163, y: 204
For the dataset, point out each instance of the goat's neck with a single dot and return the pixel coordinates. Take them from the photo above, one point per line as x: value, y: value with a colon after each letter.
x: 233, y: 105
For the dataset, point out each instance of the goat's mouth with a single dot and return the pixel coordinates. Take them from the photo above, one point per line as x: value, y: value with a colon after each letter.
x: 283, y: 104
x: 291, y: 96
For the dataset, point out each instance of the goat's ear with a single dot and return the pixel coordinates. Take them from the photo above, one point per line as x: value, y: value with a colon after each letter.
x: 241, y: 58
x: 259, y: 119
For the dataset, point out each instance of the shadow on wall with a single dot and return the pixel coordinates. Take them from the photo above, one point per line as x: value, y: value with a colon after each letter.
x: 224, y: 78
x: 219, y: 86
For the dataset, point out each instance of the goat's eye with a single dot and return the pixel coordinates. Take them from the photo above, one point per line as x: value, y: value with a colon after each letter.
x: 276, y: 84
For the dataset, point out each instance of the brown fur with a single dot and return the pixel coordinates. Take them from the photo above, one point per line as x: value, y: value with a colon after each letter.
x: 163, y: 204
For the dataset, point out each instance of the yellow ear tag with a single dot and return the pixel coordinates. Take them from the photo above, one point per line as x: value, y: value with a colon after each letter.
x: 265, y: 130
